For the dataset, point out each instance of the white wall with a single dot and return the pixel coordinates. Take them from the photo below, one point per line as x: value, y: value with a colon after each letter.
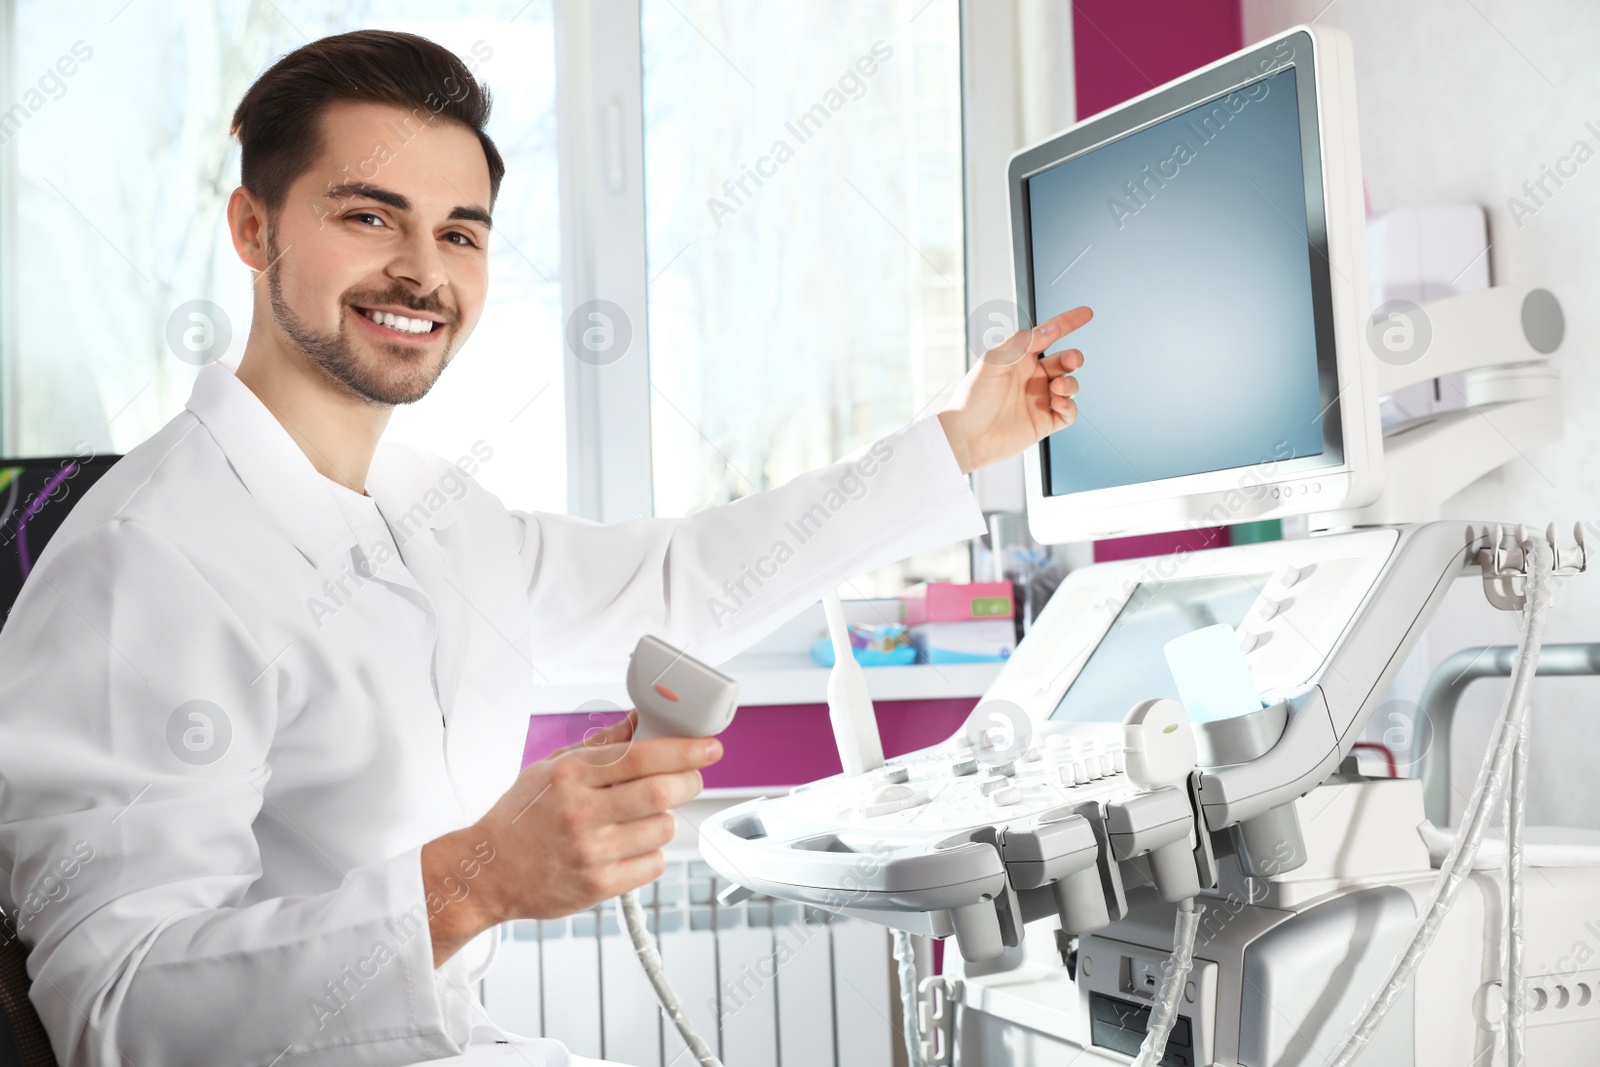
x: 1464, y: 101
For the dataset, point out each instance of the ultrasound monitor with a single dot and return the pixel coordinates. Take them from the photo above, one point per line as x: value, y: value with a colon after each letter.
x: 1216, y: 227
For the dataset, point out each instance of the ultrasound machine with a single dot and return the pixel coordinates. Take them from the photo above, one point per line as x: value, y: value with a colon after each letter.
x: 1150, y: 842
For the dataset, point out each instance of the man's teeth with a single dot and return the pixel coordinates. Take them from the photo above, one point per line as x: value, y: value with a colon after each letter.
x: 400, y: 322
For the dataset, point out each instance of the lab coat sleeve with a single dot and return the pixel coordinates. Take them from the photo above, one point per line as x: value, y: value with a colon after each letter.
x: 127, y: 846
x: 715, y: 582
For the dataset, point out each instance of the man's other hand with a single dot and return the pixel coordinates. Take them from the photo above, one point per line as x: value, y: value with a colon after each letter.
x: 579, y: 827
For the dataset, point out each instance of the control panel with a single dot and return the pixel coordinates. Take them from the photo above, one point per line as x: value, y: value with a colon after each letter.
x: 1065, y: 774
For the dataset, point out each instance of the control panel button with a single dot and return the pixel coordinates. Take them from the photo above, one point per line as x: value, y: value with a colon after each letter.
x: 893, y: 798
x: 1006, y: 796
x: 963, y: 767
x: 894, y: 775
x: 1290, y: 574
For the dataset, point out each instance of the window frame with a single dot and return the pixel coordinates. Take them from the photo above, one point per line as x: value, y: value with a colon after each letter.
x: 600, y: 162
x: 600, y: 103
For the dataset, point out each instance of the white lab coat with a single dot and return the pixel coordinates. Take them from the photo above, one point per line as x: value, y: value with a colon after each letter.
x: 252, y: 891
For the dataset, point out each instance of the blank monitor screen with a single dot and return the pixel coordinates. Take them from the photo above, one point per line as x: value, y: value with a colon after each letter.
x: 1189, y: 239
x: 1130, y: 663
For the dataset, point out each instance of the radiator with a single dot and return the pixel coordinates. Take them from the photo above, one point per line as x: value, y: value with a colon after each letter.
x: 767, y: 983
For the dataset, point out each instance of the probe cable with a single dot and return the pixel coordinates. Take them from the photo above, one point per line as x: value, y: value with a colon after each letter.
x: 906, y: 959
x: 650, y: 960
x: 1175, y: 974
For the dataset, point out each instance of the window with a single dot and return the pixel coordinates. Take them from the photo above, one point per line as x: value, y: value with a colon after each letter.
x: 803, y: 205
x: 796, y: 239
x: 115, y: 192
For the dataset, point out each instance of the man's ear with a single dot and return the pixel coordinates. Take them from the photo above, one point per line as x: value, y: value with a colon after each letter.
x: 247, y: 225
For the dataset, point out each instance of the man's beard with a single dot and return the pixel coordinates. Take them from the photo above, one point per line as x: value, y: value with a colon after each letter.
x: 335, y: 354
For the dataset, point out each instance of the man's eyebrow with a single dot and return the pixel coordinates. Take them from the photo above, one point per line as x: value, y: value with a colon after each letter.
x: 400, y: 202
x: 366, y: 191
x: 472, y: 214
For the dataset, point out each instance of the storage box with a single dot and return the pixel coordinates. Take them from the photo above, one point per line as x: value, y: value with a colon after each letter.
x: 969, y: 641
x: 955, y: 602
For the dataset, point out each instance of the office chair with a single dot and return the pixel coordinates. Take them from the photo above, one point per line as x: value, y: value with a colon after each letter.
x: 35, y: 496
x: 23, y: 1042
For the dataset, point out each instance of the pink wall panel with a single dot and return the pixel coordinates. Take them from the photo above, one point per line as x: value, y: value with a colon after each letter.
x: 1161, y: 544
x: 1122, y: 48
x: 783, y: 744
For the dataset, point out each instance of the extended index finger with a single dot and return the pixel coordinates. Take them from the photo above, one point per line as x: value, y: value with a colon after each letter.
x: 1056, y: 327
x: 658, y: 755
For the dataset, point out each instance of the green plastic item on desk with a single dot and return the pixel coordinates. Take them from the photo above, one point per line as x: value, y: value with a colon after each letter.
x: 1255, y: 533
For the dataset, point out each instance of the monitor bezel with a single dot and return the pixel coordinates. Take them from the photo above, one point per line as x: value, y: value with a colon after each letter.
x: 1348, y: 473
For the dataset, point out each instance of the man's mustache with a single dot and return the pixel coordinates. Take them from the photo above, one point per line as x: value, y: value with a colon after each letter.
x: 399, y: 298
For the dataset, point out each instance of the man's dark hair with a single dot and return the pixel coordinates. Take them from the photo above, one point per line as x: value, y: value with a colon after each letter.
x: 279, y: 121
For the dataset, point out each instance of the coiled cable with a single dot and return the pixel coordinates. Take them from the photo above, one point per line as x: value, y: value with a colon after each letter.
x: 906, y: 960
x: 1165, y: 1011
x: 650, y: 960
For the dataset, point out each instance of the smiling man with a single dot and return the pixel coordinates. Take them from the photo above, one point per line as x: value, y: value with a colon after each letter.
x: 247, y: 830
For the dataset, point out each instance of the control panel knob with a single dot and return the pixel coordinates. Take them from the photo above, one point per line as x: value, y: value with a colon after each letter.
x: 1006, y: 795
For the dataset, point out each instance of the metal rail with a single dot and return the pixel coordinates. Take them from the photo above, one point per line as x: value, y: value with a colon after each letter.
x: 1450, y: 680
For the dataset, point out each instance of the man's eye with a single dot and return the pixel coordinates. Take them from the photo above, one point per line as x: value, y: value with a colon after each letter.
x: 465, y: 241
x: 360, y: 216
